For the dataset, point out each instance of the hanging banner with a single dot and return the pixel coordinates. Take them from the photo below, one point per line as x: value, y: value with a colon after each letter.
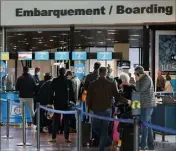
x: 165, y: 62
x: 79, y: 70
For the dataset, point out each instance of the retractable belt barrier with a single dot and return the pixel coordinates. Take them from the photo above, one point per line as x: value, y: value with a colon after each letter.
x: 79, y: 111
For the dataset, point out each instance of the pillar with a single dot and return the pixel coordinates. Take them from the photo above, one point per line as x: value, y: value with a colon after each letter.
x: 124, y: 48
x: 145, y: 48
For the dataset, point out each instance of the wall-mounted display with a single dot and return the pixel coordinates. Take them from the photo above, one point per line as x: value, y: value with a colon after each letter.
x: 24, y: 55
x: 124, y: 64
x: 4, y: 55
x: 61, y: 56
x: 41, y: 55
x: 106, y: 55
x: 79, y: 55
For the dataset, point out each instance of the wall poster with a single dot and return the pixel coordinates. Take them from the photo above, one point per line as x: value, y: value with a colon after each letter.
x: 165, y: 61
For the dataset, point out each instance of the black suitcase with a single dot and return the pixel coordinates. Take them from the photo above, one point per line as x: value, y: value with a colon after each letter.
x: 126, y: 136
x: 86, y: 133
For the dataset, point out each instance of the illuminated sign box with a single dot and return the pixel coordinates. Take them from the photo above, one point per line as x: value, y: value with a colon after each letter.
x: 41, y: 55
x: 106, y: 55
x: 4, y: 55
x: 79, y: 55
x: 24, y: 55
x: 61, y: 56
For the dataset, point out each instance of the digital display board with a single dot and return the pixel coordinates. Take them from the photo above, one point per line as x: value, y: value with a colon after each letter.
x: 4, y: 55
x: 106, y: 55
x: 79, y: 55
x: 61, y: 56
x: 124, y: 64
x: 41, y: 55
x: 24, y: 55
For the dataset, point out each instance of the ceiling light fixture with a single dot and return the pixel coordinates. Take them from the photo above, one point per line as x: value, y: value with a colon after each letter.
x: 135, y: 35
x: 39, y: 32
x: 99, y: 32
x: 51, y: 39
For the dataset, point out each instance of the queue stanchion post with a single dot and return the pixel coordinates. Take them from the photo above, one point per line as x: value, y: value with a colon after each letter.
x: 8, y: 121
x: 24, y: 143
x: 79, y: 130
x: 136, y: 112
x: 38, y: 126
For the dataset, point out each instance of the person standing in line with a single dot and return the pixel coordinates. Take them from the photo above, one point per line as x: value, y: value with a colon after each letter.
x: 26, y: 86
x: 132, y: 81
x: 62, y: 90
x: 36, y: 75
x: 92, y: 76
x: 144, y: 86
x: 160, y: 83
x: 98, y: 101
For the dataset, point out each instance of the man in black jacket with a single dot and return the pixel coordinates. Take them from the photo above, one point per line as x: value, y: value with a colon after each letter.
x: 26, y: 86
x: 62, y: 89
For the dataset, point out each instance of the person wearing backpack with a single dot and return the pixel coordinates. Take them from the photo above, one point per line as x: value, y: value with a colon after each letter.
x: 62, y: 90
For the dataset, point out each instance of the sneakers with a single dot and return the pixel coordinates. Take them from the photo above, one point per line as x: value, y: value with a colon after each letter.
x: 67, y: 141
x: 52, y: 141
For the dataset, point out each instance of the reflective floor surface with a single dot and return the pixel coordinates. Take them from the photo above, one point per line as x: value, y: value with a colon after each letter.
x: 11, y: 144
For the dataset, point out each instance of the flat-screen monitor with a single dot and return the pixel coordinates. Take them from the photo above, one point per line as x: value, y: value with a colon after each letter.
x: 41, y: 55
x: 4, y: 55
x: 61, y: 55
x: 124, y: 64
x: 105, y: 55
x: 79, y: 55
x: 24, y: 55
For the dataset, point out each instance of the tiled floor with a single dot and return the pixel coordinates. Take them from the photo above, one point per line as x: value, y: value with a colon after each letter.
x: 11, y: 145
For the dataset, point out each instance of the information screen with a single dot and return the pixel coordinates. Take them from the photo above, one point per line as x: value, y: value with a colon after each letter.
x: 61, y: 56
x: 24, y: 55
x: 106, y: 55
x: 79, y: 55
x: 41, y: 55
x: 4, y: 55
x: 124, y: 64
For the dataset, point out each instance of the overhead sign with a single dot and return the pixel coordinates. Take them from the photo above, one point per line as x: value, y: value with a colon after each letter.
x: 4, y: 55
x: 3, y: 69
x: 41, y: 55
x: 107, y: 55
x: 79, y: 70
x: 61, y: 56
x: 79, y: 55
x: 81, y: 12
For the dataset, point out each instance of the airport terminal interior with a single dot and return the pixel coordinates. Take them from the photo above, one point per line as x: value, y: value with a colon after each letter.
x: 77, y: 47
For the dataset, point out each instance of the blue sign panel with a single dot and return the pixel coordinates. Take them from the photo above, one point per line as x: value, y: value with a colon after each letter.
x: 104, y: 55
x: 3, y: 69
x: 61, y: 56
x: 79, y: 55
x: 79, y: 70
x: 41, y: 55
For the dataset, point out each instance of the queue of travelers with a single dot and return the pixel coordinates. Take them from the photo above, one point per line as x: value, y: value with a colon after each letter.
x: 95, y: 92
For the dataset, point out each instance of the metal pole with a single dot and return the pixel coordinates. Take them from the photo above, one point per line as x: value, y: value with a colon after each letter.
x: 136, y: 134
x: 79, y: 131
x: 24, y: 126
x: 38, y: 126
x: 8, y: 121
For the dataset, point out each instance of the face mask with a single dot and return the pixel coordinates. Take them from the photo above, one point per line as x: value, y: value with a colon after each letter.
x: 69, y: 77
x: 38, y: 73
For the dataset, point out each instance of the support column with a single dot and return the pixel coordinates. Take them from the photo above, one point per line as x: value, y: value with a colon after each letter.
x: 146, y: 46
x: 3, y: 39
x: 124, y: 48
x: 72, y: 44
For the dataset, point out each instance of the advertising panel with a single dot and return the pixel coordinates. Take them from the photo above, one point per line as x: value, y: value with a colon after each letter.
x: 165, y: 62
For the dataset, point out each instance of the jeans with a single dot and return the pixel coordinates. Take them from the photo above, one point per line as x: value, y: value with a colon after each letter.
x: 56, y: 123
x: 147, y: 138
x: 100, y: 127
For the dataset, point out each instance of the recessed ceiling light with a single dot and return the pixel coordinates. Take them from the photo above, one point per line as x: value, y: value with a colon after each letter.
x: 27, y: 43
x: 19, y: 34
x: 39, y: 32
x: 132, y: 39
x: 112, y: 33
x: 135, y: 35
x: 53, y: 36
x: 108, y: 39
x: 51, y: 39
x: 99, y: 32
x: 40, y: 42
